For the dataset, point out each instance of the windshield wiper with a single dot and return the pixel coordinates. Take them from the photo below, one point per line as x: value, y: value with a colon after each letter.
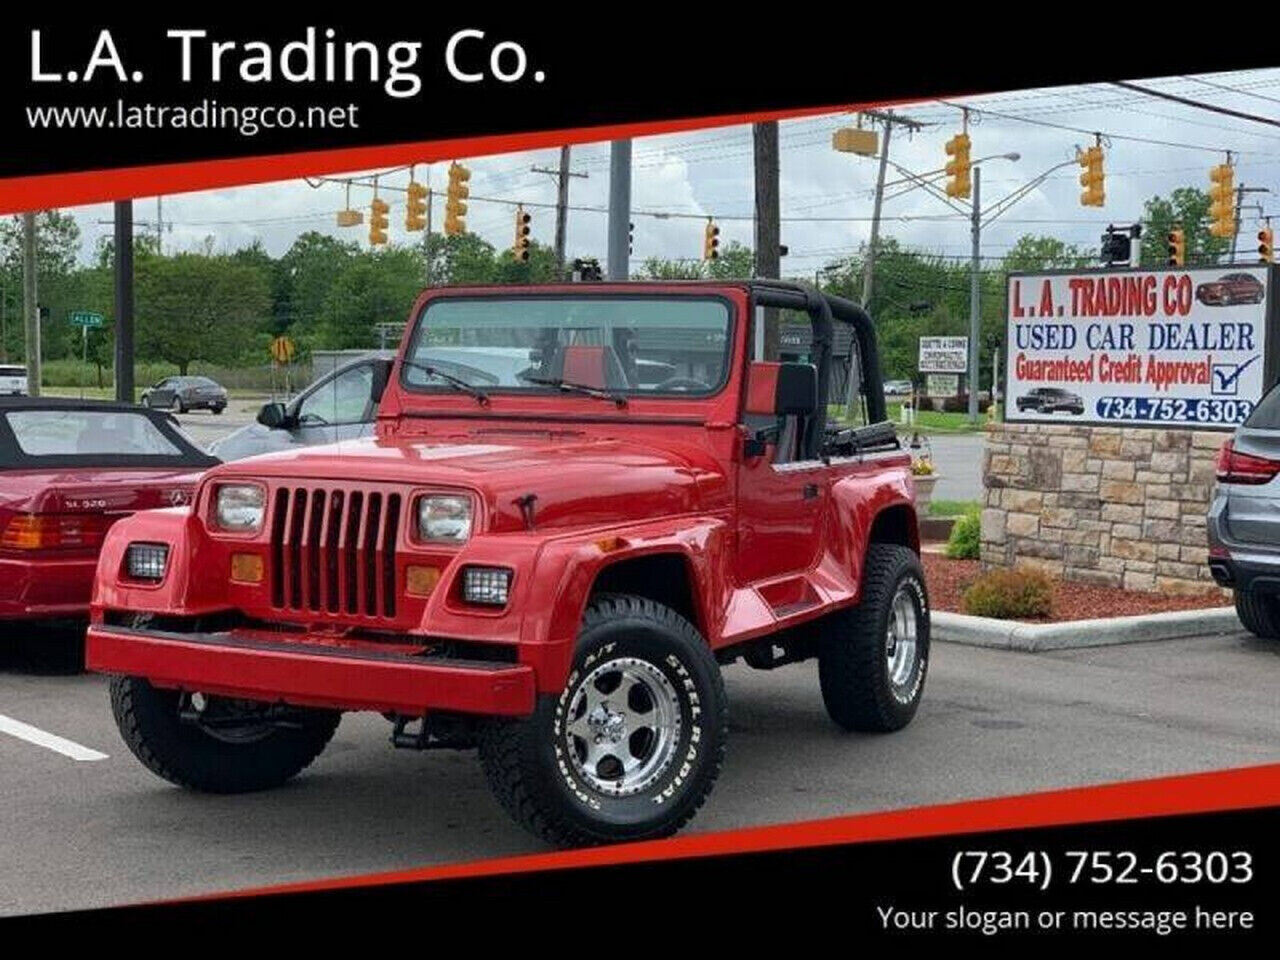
x: 456, y: 382
x: 569, y: 386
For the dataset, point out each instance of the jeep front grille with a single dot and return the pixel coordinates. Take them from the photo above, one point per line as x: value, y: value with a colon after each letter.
x: 334, y: 551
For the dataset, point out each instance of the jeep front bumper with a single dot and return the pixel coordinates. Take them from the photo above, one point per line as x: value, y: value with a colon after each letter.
x: 312, y: 672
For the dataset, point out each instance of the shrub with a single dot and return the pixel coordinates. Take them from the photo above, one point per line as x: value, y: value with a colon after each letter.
x: 1009, y: 595
x: 965, y: 536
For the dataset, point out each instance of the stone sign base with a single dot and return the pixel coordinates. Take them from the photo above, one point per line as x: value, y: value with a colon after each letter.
x: 1116, y: 506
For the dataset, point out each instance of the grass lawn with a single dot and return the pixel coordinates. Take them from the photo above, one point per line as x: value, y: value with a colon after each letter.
x: 952, y: 508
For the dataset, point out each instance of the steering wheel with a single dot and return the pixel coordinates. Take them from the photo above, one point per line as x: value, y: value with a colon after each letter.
x: 682, y: 383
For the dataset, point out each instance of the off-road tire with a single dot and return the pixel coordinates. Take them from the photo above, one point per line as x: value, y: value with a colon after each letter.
x: 526, y: 761
x: 1258, y: 613
x: 853, y: 666
x: 186, y: 755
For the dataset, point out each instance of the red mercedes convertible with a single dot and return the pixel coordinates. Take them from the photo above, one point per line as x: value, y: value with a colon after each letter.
x: 68, y: 470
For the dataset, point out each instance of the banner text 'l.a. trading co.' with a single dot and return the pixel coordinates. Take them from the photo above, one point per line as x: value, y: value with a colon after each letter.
x: 1177, y: 347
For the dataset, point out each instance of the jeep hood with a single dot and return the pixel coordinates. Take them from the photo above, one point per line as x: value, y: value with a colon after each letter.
x: 577, y: 481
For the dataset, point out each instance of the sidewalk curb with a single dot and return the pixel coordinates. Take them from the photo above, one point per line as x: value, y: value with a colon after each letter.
x: 1035, y: 637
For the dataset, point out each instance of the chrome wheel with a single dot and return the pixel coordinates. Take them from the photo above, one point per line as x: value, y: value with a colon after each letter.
x: 901, y: 648
x: 623, y: 726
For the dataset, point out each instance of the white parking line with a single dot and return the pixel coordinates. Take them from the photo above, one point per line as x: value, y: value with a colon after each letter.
x: 50, y: 741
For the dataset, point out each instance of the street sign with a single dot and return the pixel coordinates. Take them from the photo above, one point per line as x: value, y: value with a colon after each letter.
x: 86, y: 319
x: 282, y: 349
x: 944, y: 355
x: 942, y: 385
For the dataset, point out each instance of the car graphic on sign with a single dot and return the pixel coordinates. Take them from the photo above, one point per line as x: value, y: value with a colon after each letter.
x: 1050, y: 400
x: 1230, y: 289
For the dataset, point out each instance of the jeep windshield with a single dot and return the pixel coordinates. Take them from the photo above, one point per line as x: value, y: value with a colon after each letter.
x: 650, y: 346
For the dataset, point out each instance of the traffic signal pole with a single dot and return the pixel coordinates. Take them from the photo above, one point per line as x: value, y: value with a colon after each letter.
x: 975, y: 299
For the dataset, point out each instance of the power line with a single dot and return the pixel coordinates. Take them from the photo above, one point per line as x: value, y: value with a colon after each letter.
x: 1198, y: 104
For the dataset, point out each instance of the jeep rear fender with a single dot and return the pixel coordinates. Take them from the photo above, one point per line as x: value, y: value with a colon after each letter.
x: 873, y: 505
x: 570, y: 569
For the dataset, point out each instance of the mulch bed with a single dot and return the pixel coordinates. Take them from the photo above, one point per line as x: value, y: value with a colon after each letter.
x: 947, y: 580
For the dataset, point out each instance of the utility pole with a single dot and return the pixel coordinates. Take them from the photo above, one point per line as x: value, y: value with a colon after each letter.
x: 160, y: 226
x: 889, y: 120
x: 975, y: 281
x: 619, y: 267
x: 30, y: 306
x: 124, y: 300
x: 768, y: 239
x: 562, y: 176
x: 426, y: 239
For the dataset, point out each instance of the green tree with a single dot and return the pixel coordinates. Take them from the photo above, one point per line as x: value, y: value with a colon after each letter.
x: 1032, y: 253
x: 371, y: 288
x: 197, y: 306
x: 1188, y: 208
x: 459, y: 259
x: 302, y: 278
x: 736, y: 262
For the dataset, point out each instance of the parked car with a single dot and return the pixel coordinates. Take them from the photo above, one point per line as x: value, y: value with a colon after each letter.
x: 554, y: 567
x: 1230, y: 289
x: 339, y: 406
x: 1050, y: 400
x: 181, y: 394
x: 1244, y: 518
x: 13, y: 380
x: 897, y: 388
x: 69, y: 469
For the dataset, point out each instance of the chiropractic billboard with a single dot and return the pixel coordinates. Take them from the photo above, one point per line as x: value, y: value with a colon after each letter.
x: 1179, y: 347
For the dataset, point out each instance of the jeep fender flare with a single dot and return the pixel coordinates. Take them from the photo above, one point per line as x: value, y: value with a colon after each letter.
x: 880, y: 507
x: 568, y: 568
x: 179, y: 592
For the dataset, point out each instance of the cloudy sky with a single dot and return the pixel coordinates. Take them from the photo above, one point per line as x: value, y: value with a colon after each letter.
x: 1152, y: 146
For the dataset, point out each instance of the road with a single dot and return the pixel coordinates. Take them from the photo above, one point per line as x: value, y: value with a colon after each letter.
x: 97, y: 832
x: 958, y: 456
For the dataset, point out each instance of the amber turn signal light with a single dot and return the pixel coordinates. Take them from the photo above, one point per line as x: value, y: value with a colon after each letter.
x: 420, y: 581
x: 246, y: 568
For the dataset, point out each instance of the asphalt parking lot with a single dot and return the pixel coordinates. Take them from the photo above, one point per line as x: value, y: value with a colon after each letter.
x: 89, y: 832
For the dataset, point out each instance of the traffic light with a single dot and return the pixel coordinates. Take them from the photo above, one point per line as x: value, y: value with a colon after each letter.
x: 1177, y: 247
x: 378, y: 210
x: 1091, y: 176
x: 415, y: 211
x: 631, y: 238
x: 711, y: 241
x: 958, y: 167
x: 1222, y: 208
x: 1266, y: 246
x: 455, y: 207
x: 520, y: 247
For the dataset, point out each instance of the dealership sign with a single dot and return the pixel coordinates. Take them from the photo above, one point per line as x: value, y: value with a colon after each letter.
x: 944, y: 354
x: 1176, y: 347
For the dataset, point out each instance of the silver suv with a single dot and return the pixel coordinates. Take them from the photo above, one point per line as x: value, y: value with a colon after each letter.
x: 1244, y: 518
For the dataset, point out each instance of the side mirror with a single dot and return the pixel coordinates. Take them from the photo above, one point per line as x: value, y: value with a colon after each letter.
x: 782, y: 389
x: 381, y: 376
x: 273, y: 416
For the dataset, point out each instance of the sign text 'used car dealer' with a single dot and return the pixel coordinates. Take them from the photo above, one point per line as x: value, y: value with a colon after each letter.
x: 1177, y: 347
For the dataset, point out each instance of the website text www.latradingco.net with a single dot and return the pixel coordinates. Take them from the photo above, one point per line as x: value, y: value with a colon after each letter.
x: 247, y: 121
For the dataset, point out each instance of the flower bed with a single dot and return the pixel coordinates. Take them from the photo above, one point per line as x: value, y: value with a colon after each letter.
x: 948, y: 579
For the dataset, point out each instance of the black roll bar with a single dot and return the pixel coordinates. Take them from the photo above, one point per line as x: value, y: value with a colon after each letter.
x: 822, y: 308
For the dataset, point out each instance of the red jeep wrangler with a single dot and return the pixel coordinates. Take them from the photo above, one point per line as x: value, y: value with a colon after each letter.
x: 581, y: 501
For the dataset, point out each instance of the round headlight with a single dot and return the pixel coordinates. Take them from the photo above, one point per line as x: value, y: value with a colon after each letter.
x: 239, y: 507
x: 444, y: 519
